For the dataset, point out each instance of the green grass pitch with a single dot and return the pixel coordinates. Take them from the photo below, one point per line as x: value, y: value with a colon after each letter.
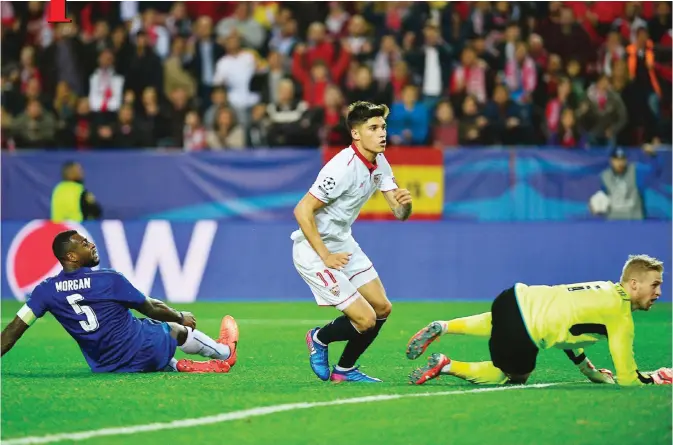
x: 47, y: 388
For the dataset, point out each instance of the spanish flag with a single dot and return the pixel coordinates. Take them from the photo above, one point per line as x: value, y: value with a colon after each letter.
x: 419, y: 170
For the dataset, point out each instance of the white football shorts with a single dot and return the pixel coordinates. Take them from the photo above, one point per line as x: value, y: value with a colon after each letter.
x: 331, y: 287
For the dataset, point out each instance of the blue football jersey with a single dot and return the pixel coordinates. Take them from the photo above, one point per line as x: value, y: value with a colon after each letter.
x: 93, y: 306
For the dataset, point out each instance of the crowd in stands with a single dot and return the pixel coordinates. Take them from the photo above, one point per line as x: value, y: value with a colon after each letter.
x: 239, y: 75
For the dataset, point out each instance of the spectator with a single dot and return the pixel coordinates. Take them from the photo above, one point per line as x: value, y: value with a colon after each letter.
x: 34, y: 128
x: 385, y: 59
x: 234, y: 71
x: 11, y: 40
x: 202, y: 54
x: 282, y: 17
x: 481, y: 19
x: 537, y: 51
x: 507, y: 49
x: 629, y: 24
x: 611, y: 51
x: 319, y: 47
x: 175, y: 75
x: 549, y: 80
x: 332, y: 123
x: 227, y: 134
x: 606, y: 114
x: 472, y: 125
x: 284, y: 37
x: 356, y: 41
x: 251, y: 32
x: 81, y: 127
x: 100, y: 40
x: 65, y: 104
x: 258, y: 132
x: 482, y: 52
x: 105, y: 85
x: 194, y: 133
x: 432, y: 64
x: 265, y: 12
x: 366, y: 90
x: 337, y: 20
x: 576, y: 78
x: 12, y: 100
x: 153, y: 119
x: 179, y: 107
x: 408, y: 123
x: 568, y: 133
x: 469, y: 78
x: 32, y: 27
x: 399, y: 79
x: 313, y: 83
x: 63, y: 59
x: 445, y: 129
x: 521, y: 75
x: 121, y: 49
x: 506, y: 122
x: 646, y: 90
x: 660, y: 24
x: 287, y: 128
x: 145, y: 69
x: 178, y: 22
x: 219, y: 100
x: 157, y: 38
x: 266, y: 79
x: 387, y: 17
x: 565, y: 98
x: 127, y: 133
x: 34, y: 92
x: 349, y: 79
x: 28, y: 69
x: 568, y: 39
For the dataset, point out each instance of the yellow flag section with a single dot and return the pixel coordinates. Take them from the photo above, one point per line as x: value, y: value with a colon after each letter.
x: 419, y: 170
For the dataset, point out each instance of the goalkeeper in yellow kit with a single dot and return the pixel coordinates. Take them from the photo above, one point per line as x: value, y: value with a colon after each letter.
x: 526, y: 319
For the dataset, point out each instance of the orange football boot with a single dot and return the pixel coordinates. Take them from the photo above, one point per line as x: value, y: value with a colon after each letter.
x: 229, y: 337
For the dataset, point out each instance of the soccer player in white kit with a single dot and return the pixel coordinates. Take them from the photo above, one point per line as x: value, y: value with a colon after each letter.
x: 330, y: 260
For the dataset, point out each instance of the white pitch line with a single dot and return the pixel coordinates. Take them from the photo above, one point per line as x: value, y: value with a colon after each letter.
x: 247, y: 413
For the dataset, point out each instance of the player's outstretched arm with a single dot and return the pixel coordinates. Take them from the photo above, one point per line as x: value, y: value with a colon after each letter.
x: 304, y: 212
x: 12, y: 333
x: 399, y: 201
x: 587, y: 368
x: 160, y: 311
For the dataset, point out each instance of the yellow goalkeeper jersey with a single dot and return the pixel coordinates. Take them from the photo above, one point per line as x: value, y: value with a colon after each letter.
x: 573, y: 316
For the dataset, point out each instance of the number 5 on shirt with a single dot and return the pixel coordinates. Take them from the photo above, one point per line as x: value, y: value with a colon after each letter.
x: 91, y: 323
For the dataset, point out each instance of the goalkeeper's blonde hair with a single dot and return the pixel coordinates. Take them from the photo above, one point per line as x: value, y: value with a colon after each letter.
x: 637, y: 264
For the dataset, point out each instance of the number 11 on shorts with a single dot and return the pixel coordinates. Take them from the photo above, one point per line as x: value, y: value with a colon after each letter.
x: 324, y: 280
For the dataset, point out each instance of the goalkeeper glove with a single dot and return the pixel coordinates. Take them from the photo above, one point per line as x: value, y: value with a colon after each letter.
x: 595, y: 375
x: 662, y: 376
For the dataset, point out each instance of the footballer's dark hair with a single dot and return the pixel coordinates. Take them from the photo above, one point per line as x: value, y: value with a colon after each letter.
x: 360, y: 112
x: 62, y: 244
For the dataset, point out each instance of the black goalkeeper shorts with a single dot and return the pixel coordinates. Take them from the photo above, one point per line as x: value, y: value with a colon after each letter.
x: 512, y: 350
